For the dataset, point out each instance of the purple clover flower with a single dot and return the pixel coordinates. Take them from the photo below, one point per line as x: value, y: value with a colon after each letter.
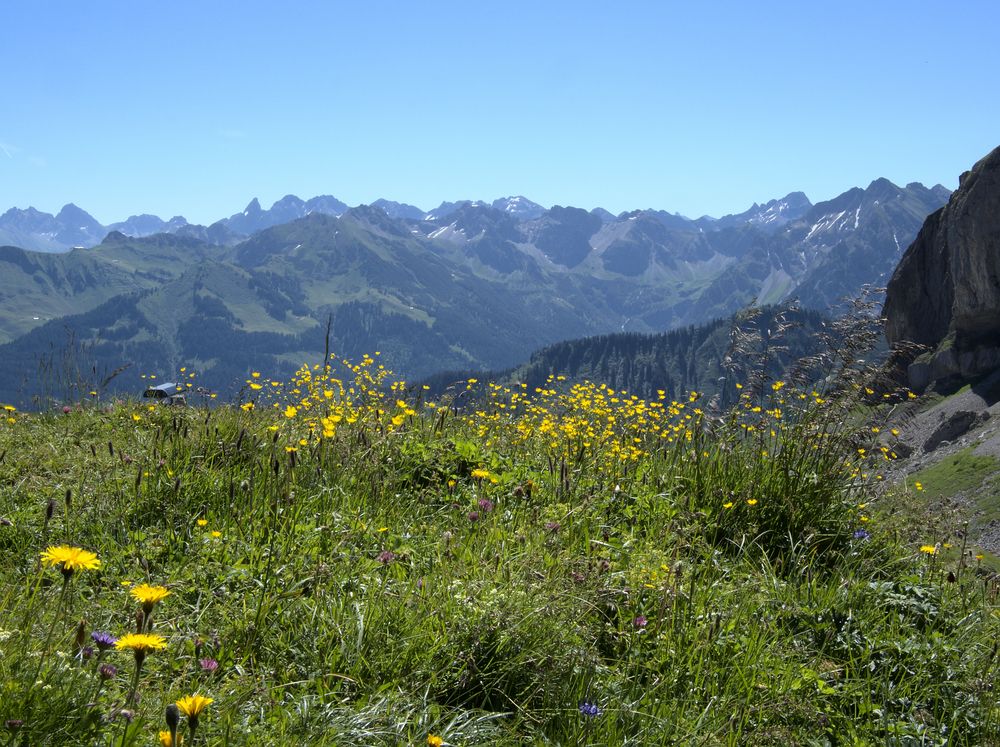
x: 486, y: 505
x: 640, y: 621
x: 386, y: 556
x: 209, y: 665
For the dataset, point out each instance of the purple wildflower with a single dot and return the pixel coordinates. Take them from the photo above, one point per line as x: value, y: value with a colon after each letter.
x: 473, y: 516
x: 86, y: 653
x: 486, y: 505
x: 861, y: 534
x: 386, y: 556
x: 107, y: 671
x: 103, y: 640
x: 209, y: 665
x: 553, y: 526
x: 590, y: 709
x: 640, y: 621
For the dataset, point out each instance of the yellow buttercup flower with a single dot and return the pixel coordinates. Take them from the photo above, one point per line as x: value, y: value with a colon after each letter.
x: 192, y: 705
x: 434, y: 741
x: 70, y: 559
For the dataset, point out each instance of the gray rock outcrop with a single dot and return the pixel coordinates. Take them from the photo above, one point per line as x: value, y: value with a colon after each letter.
x: 945, y: 292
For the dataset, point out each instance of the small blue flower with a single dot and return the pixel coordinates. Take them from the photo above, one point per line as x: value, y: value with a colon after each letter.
x: 861, y: 534
x: 590, y: 709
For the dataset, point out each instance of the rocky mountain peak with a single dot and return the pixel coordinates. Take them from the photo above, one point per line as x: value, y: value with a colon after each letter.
x: 945, y: 292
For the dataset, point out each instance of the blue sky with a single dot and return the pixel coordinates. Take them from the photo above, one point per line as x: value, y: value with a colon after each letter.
x: 194, y: 108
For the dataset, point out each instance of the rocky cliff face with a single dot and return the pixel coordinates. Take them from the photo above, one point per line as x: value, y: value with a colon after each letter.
x: 945, y: 292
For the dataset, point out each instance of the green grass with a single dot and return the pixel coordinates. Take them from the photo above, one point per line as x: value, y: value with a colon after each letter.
x: 480, y: 576
x: 976, y: 477
x: 960, y: 472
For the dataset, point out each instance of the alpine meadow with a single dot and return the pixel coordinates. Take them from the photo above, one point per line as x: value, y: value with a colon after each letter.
x: 499, y: 375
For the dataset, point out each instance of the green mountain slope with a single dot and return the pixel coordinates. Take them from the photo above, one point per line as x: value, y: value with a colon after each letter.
x: 472, y: 289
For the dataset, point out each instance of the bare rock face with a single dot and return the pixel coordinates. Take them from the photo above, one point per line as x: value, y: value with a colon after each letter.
x: 955, y: 425
x: 945, y: 292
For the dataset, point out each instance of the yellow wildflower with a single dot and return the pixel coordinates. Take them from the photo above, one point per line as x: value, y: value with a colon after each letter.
x: 192, y: 705
x: 148, y: 595
x: 141, y: 643
x: 70, y: 559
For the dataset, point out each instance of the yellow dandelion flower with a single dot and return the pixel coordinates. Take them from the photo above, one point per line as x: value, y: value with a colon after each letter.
x: 246, y: 406
x: 255, y: 374
x: 70, y: 559
x: 193, y: 705
x: 168, y: 741
x: 148, y: 595
x: 434, y: 741
x: 727, y: 505
x: 918, y: 486
x: 751, y: 501
x: 929, y: 549
x: 291, y: 411
x: 480, y: 474
x: 141, y: 643
x: 216, y: 534
x: 202, y: 522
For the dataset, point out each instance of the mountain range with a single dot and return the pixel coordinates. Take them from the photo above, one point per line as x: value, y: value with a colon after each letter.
x: 469, y: 285
x: 72, y: 227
